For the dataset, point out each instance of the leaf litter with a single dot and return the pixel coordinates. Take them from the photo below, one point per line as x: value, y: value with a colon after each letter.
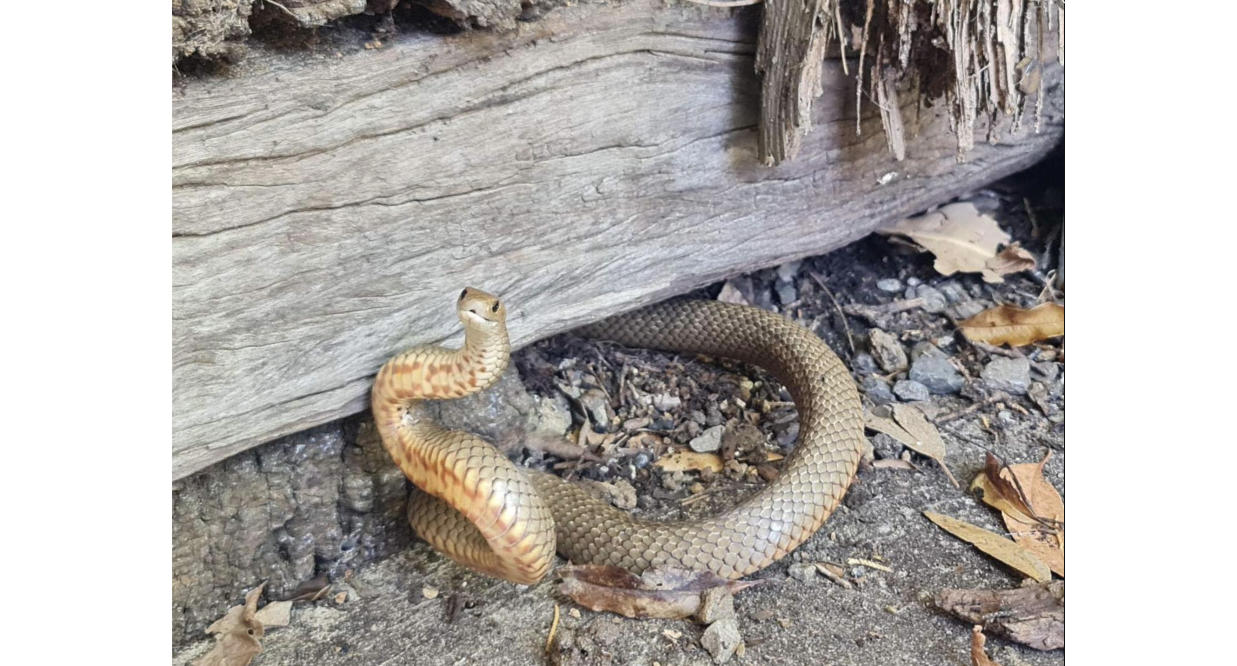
x: 661, y: 592
x: 1003, y: 549
x: 1033, y: 510
x: 965, y: 240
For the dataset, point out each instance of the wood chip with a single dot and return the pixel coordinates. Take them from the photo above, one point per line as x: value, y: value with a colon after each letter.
x: 689, y: 461
x: 855, y: 561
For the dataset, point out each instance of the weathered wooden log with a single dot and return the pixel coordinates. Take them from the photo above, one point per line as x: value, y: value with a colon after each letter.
x: 325, y: 212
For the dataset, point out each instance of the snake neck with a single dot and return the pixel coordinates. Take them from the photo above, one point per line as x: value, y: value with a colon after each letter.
x: 433, y: 372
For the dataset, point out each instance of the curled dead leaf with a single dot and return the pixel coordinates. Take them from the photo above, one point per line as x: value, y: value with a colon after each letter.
x: 962, y: 238
x: 1013, y: 259
x: 1005, y: 550
x: 663, y: 592
x: 1006, y: 324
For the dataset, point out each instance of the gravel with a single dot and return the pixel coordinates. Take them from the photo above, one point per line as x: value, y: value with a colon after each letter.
x: 933, y: 300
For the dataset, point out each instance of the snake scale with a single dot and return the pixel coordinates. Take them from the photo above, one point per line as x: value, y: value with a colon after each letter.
x: 480, y: 509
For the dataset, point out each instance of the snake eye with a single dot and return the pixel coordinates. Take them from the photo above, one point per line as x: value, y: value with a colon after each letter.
x: 495, y: 308
x: 463, y: 293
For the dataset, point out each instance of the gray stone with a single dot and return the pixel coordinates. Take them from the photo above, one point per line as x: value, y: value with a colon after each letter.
x: 954, y: 293
x: 887, y: 351
x: 550, y: 415
x: 786, y: 293
x: 863, y: 363
x: 1046, y: 371
x: 721, y: 639
x: 876, y: 389
x: 1011, y: 375
x: 908, y: 390
x: 932, y: 368
x: 913, y: 281
x: 933, y: 300
x: 717, y: 603
x: 666, y: 402
x: 889, y: 285
x: 802, y: 571
x: 708, y: 441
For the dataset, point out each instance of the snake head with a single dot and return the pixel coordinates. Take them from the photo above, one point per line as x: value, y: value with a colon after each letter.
x: 477, y: 308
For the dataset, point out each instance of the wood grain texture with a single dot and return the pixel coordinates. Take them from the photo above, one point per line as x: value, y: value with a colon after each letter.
x: 327, y: 211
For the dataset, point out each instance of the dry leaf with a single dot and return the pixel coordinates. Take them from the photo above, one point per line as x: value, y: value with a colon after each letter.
x: 1006, y: 550
x: 275, y: 614
x: 978, y: 656
x: 663, y: 592
x: 689, y: 461
x: 962, y: 238
x: 1013, y: 259
x: 910, y: 427
x: 1007, y: 324
x: 1033, y: 615
x: 1038, y: 524
x: 237, y: 634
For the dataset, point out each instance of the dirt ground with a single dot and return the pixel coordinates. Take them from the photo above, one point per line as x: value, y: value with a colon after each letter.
x: 418, y: 608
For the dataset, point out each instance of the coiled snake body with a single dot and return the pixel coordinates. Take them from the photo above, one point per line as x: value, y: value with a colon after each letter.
x: 481, y: 510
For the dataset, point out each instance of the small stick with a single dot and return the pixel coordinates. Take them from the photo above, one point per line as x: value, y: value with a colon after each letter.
x: 828, y: 292
x: 972, y: 409
x: 549, y: 641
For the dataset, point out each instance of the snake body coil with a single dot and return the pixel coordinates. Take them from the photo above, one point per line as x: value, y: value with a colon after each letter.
x: 482, y: 511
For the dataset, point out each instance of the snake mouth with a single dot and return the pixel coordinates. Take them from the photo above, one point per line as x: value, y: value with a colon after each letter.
x: 477, y: 317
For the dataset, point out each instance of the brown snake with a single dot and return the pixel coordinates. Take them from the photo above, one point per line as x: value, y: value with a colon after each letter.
x: 484, y: 512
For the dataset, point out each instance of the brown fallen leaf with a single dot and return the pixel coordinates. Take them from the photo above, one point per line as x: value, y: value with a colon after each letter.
x: 1033, y: 615
x: 962, y: 238
x: 1006, y: 324
x: 1005, y: 550
x: 689, y: 461
x: 1013, y: 259
x: 911, y: 428
x: 663, y: 592
x: 1032, y: 509
x: 237, y: 634
x: 978, y: 656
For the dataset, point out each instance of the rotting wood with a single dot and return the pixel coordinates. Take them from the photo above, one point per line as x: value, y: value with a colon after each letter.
x: 325, y: 214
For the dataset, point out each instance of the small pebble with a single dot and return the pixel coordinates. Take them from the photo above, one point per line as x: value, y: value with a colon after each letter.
x: 786, y: 293
x: 802, y: 571
x: 721, y: 639
x: 864, y: 363
x: 909, y: 390
x: 787, y: 271
x: 1046, y: 371
x: 877, y: 390
x: 710, y: 440
x: 429, y: 592
x: 953, y: 292
x: 933, y: 369
x: 889, y: 285
x: 933, y: 300
x: 642, y: 459
x: 912, y: 281
x: 1012, y: 375
x: 717, y: 603
x: 665, y: 402
x: 887, y: 351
